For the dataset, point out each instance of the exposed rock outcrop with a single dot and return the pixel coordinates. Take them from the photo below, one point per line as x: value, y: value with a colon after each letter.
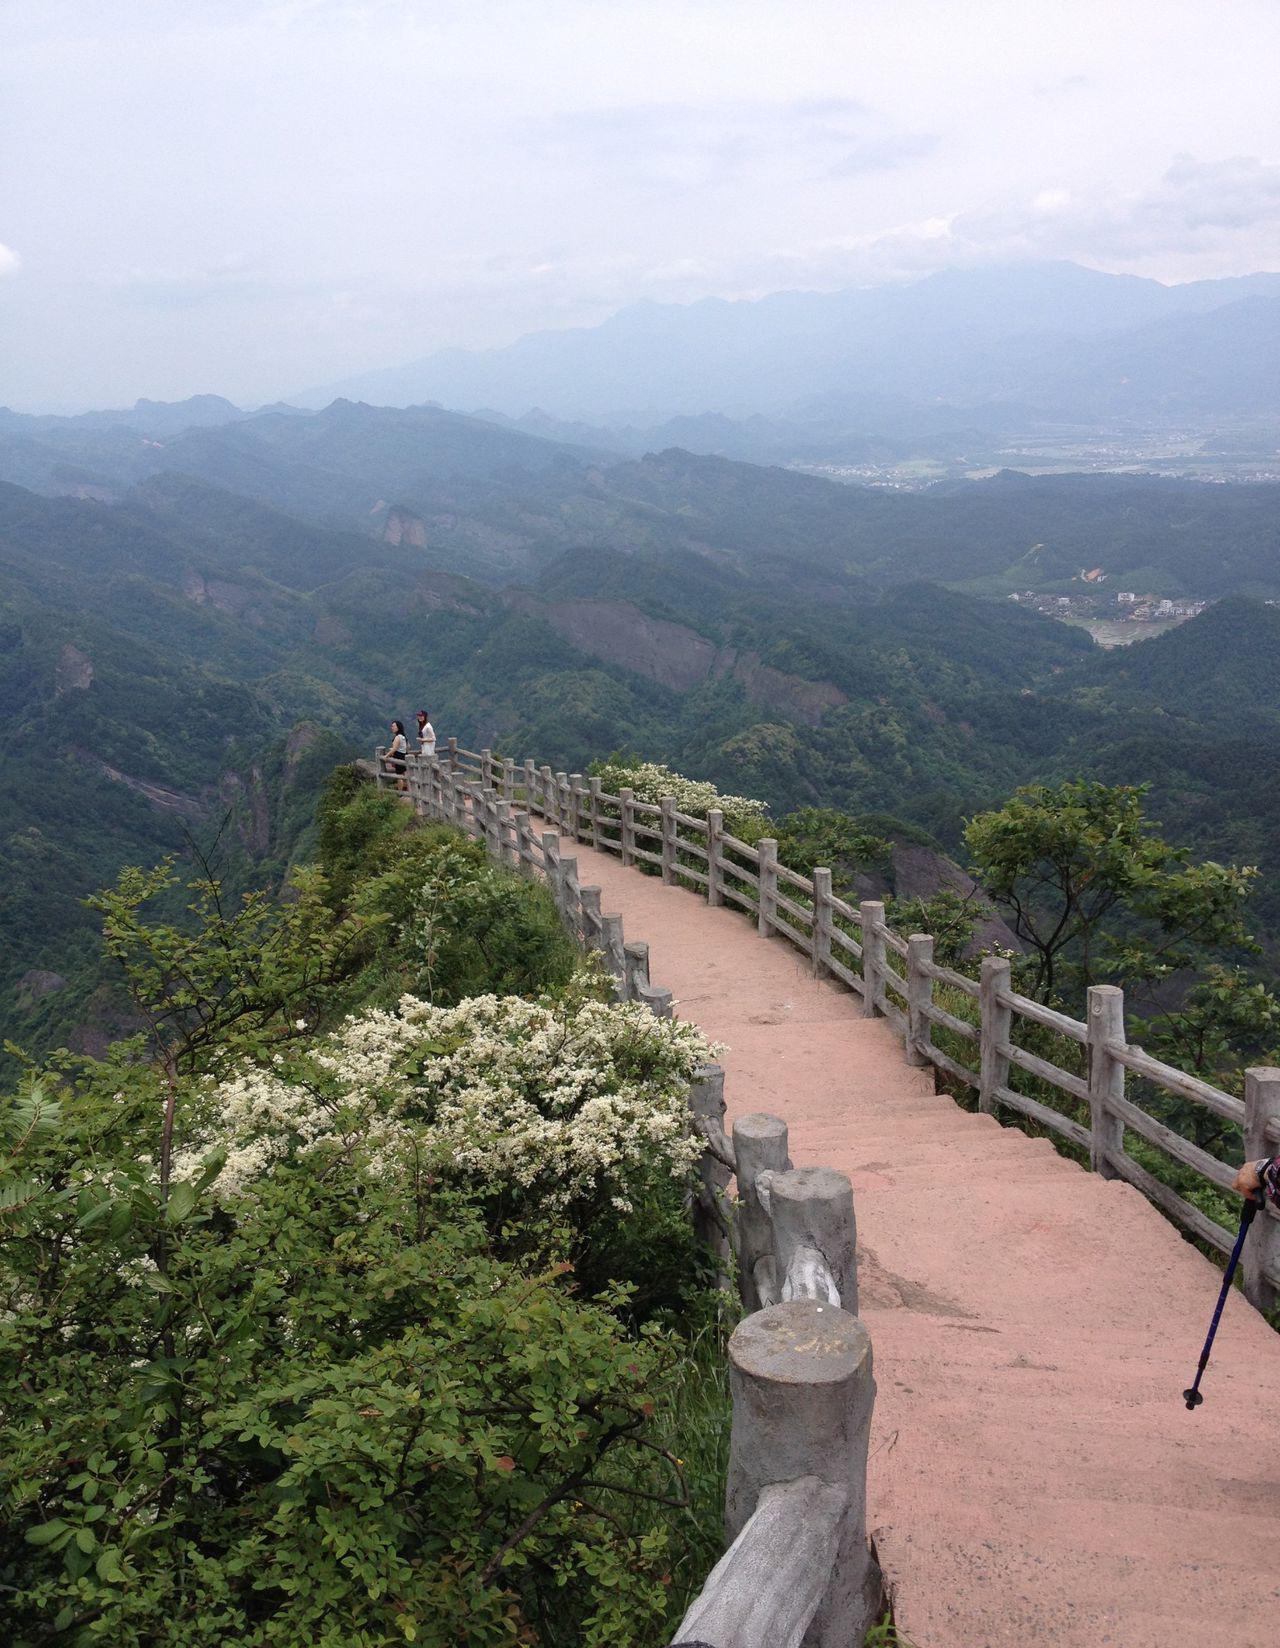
x: 678, y: 656
x: 73, y: 672
x: 36, y: 983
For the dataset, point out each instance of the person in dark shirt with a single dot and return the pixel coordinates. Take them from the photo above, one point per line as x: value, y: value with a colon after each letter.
x: 397, y: 752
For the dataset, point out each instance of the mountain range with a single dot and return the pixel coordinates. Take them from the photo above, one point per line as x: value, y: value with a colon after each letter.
x: 1055, y: 341
x: 194, y: 626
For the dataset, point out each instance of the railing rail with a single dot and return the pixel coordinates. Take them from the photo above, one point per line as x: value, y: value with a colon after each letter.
x: 799, y: 1567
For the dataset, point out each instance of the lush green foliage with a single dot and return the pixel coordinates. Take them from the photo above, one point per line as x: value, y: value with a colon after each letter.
x: 301, y: 1340
x: 1095, y: 894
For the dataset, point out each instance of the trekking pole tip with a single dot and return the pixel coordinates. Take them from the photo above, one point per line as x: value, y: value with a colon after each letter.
x: 1192, y: 1398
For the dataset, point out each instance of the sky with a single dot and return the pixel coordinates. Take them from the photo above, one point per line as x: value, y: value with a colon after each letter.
x: 251, y: 197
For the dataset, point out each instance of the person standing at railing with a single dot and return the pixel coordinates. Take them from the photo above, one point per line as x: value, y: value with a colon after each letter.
x: 426, y: 735
x: 397, y: 754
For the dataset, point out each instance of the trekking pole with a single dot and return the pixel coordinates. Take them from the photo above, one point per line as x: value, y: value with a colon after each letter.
x: 1193, y: 1397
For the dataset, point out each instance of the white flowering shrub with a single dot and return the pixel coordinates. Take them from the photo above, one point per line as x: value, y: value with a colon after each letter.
x: 571, y: 1103
x: 652, y: 781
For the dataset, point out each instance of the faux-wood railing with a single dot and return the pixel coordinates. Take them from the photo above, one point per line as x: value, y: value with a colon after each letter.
x: 798, y: 1569
x: 898, y: 979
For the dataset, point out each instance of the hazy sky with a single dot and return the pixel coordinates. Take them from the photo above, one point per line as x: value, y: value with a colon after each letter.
x: 252, y: 197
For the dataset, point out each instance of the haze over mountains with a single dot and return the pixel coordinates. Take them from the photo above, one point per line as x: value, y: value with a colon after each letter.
x: 1058, y: 340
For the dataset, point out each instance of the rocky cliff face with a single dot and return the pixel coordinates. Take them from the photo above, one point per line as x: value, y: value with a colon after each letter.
x: 73, y: 672
x: 678, y: 656
x: 920, y: 872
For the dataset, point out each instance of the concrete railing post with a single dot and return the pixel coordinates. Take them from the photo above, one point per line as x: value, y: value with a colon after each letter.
x: 486, y: 769
x: 594, y: 788
x: 379, y: 768
x: 1262, y: 1248
x: 551, y: 863
x: 706, y: 1101
x: 766, y: 916
x: 508, y: 779
x: 1104, y: 1019
x: 759, y: 1146
x: 800, y: 1374
x: 613, y: 951
x: 635, y: 969
x: 570, y: 909
x: 576, y: 792
x: 549, y: 811
x: 871, y: 913
x: 996, y: 1020
x: 508, y: 851
x: 919, y: 998
x: 821, y: 924
x: 453, y: 755
x: 627, y: 826
x: 811, y: 1210
x: 592, y: 917
x: 530, y: 781
x: 715, y: 856
x: 524, y: 844
x: 668, y: 827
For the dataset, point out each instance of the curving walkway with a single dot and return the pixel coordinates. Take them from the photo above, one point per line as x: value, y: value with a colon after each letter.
x: 1035, y: 1477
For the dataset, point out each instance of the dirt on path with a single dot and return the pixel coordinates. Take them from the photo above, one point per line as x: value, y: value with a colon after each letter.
x: 1034, y: 1476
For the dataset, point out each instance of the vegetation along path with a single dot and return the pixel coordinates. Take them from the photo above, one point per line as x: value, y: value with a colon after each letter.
x: 1034, y: 1475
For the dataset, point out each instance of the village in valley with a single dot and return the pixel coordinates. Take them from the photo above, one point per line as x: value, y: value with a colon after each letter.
x: 1113, y: 618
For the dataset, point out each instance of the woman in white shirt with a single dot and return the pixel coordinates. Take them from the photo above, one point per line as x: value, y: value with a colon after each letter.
x: 426, y: 735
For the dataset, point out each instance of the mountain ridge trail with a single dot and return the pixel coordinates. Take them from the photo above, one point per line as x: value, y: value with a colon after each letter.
x: 1034, y: 1476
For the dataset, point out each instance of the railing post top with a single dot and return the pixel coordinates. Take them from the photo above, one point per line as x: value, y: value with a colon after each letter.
x: 801, y: 1342
x: 626, y: 795
x: 811, y: 1184
x: 767, y: 843
x: 1263, y: 1078
x: 872, y: 909
x: 760, y: 1125
x: 921, y: 942
x: 999, y: 965
x: 821, y: 877
x: 1106, y: 1005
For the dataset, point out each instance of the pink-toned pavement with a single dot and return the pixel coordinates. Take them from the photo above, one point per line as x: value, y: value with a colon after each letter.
x: 1034, y: 1477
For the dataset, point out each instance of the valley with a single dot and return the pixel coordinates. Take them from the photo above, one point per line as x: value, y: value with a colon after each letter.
x: 196, y: 622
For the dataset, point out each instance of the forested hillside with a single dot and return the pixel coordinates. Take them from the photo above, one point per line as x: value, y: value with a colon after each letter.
x: 172, y: 653
x: 497, y: 503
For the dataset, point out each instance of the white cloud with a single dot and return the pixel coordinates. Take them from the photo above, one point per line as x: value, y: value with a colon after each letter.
x: 1196, y: 206
x: 9, y: 259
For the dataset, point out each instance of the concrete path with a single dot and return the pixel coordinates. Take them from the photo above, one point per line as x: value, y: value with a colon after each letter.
x: 1035, y: 1477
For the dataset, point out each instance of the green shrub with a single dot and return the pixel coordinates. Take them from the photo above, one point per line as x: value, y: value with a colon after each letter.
x: 323, y: 1323
x: 327, y: 1412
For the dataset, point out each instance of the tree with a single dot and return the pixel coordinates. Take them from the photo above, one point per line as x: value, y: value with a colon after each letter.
x: 1094, y: 892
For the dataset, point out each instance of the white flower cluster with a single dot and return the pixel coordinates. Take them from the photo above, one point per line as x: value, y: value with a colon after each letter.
x: 567, y: 1101
x: 652, y: 781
